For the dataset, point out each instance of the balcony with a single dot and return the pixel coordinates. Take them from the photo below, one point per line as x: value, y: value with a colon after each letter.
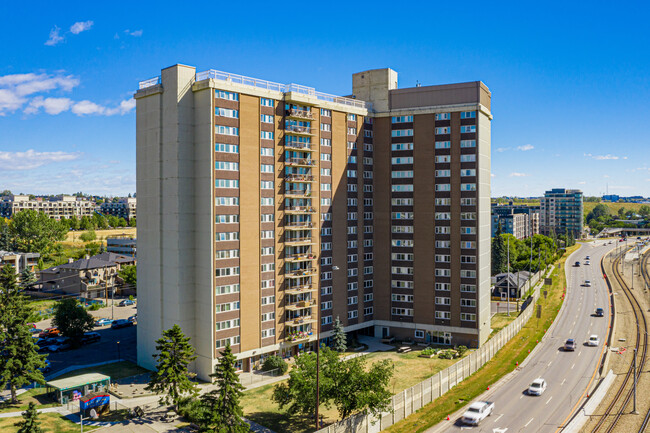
x: 300, y: 257
x: 299, y: 225
x: 299, y: 290
x: 299, y: 336
x: 299, y: 209
x: 299, y: 178
x: 300, y: 274
x: 302, y: 147
x: 300, y: 162
x: 301, y: 305
x: 305, y: 240
x: 300, y: 114
x: 304, y: 320
x: 298, y: 130
x: 298, y: 193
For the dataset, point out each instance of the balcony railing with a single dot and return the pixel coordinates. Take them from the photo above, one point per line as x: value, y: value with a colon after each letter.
x: 299, y: 336
x: 149, y: 83
x: 302, y: 114
x: 298, y: 145
x: 298, y: 240
x: 301, y: 305
x: 299, y: 257
x: 297, y: 289
x: 300, y: 161
x: 300, y: 273
x: 299, y: 178
x: 295, y: 129
x: 300, y: 224
x: 302, y: 209
x: 303, y: 320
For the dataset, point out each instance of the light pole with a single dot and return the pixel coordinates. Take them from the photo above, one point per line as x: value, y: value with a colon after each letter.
x: 118, y: 352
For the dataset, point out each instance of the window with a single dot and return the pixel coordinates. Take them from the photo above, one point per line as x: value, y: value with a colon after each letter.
x: 401, y: 298
x: 402, y: 133
x: 226, y: 130
x: 266, y: 184
x: 227, y: 236
x: 266, y: 168
x: 226, y: 148
x: 353, y: 314
x: 226, y: 95
x: 352, y: 117
x: 398, y: 284
x: 351, y: 173
x: 402, y: 119
x: 468, y: 259
x: 226, y: 112
x: 367, y: 311
x: 367, y: 270
x: 402, y: 311
x: 353, y: 272
x: 402, y: 215
x: 352, y: 201
x: 468, y: 128
x: 226, y: 324
x: 367, y: 133
x: 468, y: 288
x: 325, y: 127
x: 443, y: 273
x: 326, y: 246
x: 367, y: 256
x: 325, y: 113
x: 402, y: 242
x: 367, y: 284
x: 325, y: 201
x: 325, y: 186
x: 352, y: 216
x: 352, y: 230
x: 401, y: 270
x: 443, y: 187
x: 367, y: 202
x: 444, y: 158
x: 326, y: 231
x: 440, y: 300
x: 443, y: 116
x: 467, y: 143
x: 367, y: 297
x: 442, y: 230
x: 443, y: 173
x: 325, y: 156
x: 443, y: 258
x: 443, y: 144
x: 367, y: 174
x: 228, y: 288
x: 353, y: 286
x: 326, y: 142
x: 326, y: 290
x: 402, y: 160
x: 326, y: 320
x: 228, y: 306
x: 325, y: 171
x: 268, y: 251
x: 443, y: 130
x: 468, y: 230
x: 267, y: 234
x: 367, y: 243
x: 353, y: 300
x: 224, y: 165
x: 468, y: 216
x: 324, y: 261
x: 465, y: 273
x: 226, y: 254
x: 464, y: 302
x: 352, y: 131
x: 226, y: 219
x: 326, y: 276
x: 445, y: 287
x: 352, y: 159
x: 467, y: 158
x: 367, y: 215
x: 419, y: 333
x: 265, y: 118
x: 226, y: 272
x: 268, y: 135
x: 402, y: 202
x: 266, y: 300
x: 367, y: 146
x: 401, y: 146
x: 401, y: 174
x: 226, y: 183
x: 402, y: 229
x: 468, y: 201
x: 446, y: 315
x: 352, y: 145
x: 266, y: 102
x: 468, y: 317
x: 226, y: 341
x: 226, y: 201
x: 367, y: 229
x: 367, y: 188
x: 266, y: 201
x: 443, y: 244
x: 443, y: 215
x: 468, y: 115
x: 326, y: 216
x: 443, y: 202
x: 268, y: 332
x: 401, y: 188
x: 352, y: 187
x: 468, y: 187
x: 266, y: 151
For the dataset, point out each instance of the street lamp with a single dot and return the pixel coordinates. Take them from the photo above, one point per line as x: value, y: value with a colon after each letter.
x: 118, y: 351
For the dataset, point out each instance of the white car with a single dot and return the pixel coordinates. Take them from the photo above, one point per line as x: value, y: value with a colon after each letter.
x: 587, y: 262
x: 537, y: 387
x: 593, y: 341
x: 477, y: 412
x: 587, y: 283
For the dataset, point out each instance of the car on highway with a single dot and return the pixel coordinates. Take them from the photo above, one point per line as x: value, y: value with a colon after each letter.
x: 600, y: 312
x: 477, y: 412
x: 587, y: 283
x: 121, y: 323
x: 593, y: 341
x: 103, y: 322
x: 588, y: 258
x: 126, y: 303
x: 576, y: 264
x: 587, y: 262
x: 570, y: 345
x: 537, y: 387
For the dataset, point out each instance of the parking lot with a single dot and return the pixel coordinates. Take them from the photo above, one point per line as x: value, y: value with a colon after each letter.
x: 104, y: 350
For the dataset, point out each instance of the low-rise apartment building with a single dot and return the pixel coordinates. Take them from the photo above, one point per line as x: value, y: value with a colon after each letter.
x: 63, y: 206
x: 121, y: 244
x: 123, y: 208
x: 20, y: 261
x: 517, y: 220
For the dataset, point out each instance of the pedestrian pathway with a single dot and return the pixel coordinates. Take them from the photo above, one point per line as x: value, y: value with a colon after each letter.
x: 20, y: 413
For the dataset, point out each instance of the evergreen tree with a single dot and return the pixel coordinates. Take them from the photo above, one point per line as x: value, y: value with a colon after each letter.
x: 171, y: 376
x: 27, y: 278
x: 223, y: 409
x: 499, y: 258
x: 6, y: 241
x: 339, y: 342
x: 19, y: 360
x: 30, y: 420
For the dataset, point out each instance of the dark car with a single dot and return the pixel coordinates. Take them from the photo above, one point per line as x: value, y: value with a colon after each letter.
x: 600, y: 312
x: 35, y: 330
x: 90, y: 337
x: 126, y: 303
x: 576, y: 264
x: 570, y: 345
x: 44, y: 342
x: 133, y: 318
x: 121, y: 323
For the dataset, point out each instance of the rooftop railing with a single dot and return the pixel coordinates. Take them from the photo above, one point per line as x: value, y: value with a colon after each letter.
x: 270, y: 85
x: 149, y: 83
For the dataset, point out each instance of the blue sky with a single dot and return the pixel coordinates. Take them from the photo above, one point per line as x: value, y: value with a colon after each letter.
x: 569, y: 80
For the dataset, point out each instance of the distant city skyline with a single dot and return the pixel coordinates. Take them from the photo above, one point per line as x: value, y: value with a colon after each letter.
x: 569, y: 98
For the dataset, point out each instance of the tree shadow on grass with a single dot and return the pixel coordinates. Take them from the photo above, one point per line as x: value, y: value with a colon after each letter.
x: 283, y: 422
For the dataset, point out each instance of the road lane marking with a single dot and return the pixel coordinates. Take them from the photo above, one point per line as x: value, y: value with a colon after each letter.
x: 579, y: 353
x: 549, y: 364
x: 522, y: 396
x: 531, y: 420
x: 549, y: 400
x: 573, y: 366
x: 563, y: 382
x: 498, y: 418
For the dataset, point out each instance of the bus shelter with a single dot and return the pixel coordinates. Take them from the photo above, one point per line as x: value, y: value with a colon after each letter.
x: 75, y: 387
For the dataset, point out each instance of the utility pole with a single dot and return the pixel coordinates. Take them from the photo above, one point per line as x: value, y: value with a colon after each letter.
x: 508, y: 278
x: 634, y: 411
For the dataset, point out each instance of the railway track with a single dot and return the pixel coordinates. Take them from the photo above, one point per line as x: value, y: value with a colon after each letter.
x: 624, y: 393
x: 646, y: 278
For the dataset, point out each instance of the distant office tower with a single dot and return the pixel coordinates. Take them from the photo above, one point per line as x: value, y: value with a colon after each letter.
x: 562, y: 212
x: 266, y: 210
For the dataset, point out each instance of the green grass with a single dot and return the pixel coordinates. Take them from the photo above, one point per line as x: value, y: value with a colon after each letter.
x: 516, y: 350
x: 49, y: 422
x: 38, y: 396
x: 613, y: 207
x: 501, y: 320
x: 116, y: 370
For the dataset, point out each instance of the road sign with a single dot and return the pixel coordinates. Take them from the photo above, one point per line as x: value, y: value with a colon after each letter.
x: 545, y: 294
x: 548, y: 281
x: 539, y: 311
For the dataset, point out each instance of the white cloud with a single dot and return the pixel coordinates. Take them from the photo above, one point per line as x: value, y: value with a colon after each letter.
x: 9, y: 101
x: 55, y: 38
x: 502, y: 149
x: 135, y: 33
x: 604, y: 157
x: 515, y: 174
x: 31, y: 159
x: 83, y: 108
x: 80, y: 26
x: 50, y: 105
x: 582, y: 183
x: 525, y: 147
x: 493, y: 175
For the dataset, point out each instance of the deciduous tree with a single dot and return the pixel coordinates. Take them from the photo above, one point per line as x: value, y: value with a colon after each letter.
x: 35, y: 232
x: 72, y: 319
x: 129, y: 274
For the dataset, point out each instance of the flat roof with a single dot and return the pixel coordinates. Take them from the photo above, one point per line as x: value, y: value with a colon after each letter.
x: 77, y: 381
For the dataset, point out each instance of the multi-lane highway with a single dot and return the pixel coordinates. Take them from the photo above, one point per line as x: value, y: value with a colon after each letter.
x: 568, y: 374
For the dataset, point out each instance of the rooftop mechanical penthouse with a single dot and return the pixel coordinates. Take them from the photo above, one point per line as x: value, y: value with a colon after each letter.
x: 268, y: 210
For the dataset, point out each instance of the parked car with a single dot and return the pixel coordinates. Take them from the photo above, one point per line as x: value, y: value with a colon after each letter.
x: 477, y: 412
x: 537, y: 387
x: 103, y: 322
x: 60, y: 347
x: 126, y: 303
x: 133, y: 318
x: 35, y: 330
x: 49, y: 332
x: 587, y: 283
x: 121, y: 323
x: 593, y: 341
x: 570, y: 345
x: 600, y: 312
x: 90, y: 337
x: 44, y: 342
x: 47, y: 367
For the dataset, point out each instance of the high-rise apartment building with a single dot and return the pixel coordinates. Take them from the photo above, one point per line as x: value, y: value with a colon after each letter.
x: 520, y: 221
x: 269, y: 210
x: 562, y: 212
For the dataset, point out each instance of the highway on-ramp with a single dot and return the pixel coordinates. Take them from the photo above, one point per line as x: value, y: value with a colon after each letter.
x: 568, y: 374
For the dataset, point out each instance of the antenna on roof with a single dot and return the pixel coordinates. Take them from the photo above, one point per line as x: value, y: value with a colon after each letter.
x: 417, y: 83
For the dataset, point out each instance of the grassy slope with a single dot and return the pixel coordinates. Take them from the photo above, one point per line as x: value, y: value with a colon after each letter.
x: 613, y: 207
x: 49, y: 422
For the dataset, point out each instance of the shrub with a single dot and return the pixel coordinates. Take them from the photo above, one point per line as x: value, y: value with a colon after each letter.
x: 191, y: 409
x: 88, y: 236
x: 428, y: 351
x: 131, y: 298
x: 447, y: 354
x: 94, y: 307
x: 461, y: 350
x: 275, y: 362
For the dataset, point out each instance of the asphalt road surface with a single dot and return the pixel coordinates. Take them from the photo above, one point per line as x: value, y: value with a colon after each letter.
x: 567, y: 373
